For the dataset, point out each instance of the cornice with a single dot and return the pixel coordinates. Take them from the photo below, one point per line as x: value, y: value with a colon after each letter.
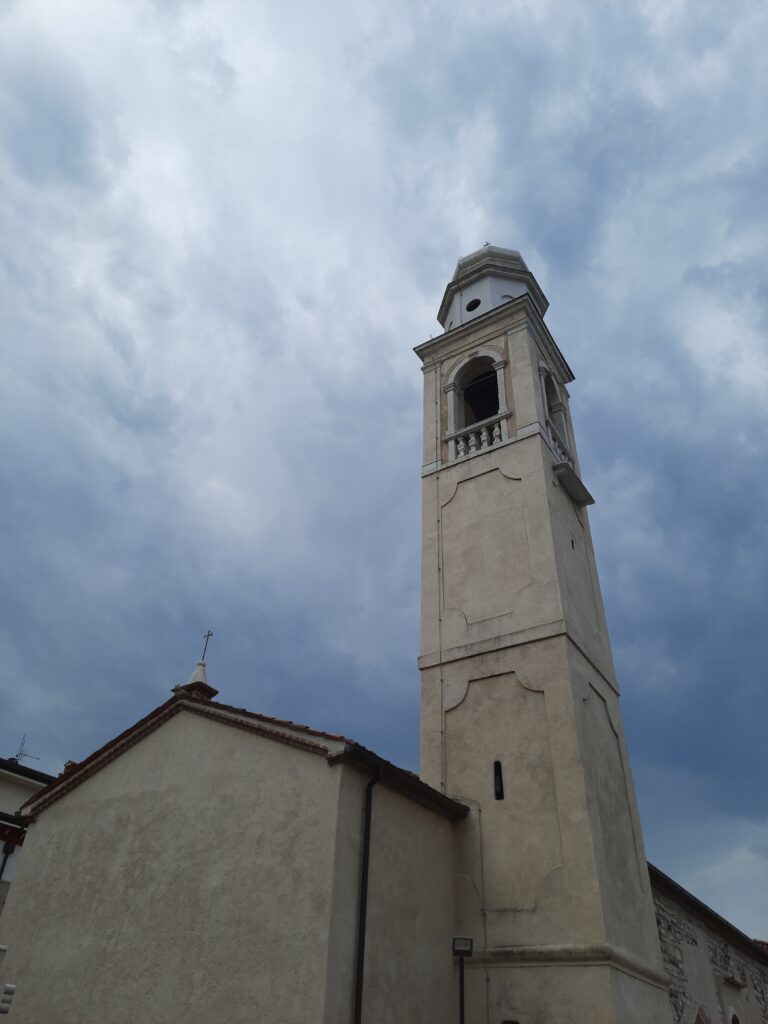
x: 485, y: 326
x: 597, y: 955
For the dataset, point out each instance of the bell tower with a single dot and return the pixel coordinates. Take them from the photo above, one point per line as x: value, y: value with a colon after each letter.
x: 520, y: 705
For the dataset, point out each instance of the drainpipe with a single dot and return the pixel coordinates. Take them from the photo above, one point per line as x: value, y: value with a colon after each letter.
x: 363, y: 906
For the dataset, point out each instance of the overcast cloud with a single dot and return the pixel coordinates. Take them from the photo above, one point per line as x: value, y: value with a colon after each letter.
x: 225, y: 225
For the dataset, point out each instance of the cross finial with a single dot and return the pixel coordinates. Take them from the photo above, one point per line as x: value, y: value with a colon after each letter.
x: 207, y: 637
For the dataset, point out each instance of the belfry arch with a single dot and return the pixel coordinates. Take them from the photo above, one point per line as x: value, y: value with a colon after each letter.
x: 477, y: 407
x: 478, y: 392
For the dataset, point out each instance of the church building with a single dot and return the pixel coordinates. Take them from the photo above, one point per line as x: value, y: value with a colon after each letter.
x: 212, y: 864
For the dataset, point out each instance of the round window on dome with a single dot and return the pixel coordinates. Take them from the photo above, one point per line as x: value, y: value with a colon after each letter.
x: 472, y: 305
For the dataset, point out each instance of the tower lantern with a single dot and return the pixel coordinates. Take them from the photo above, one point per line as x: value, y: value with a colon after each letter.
x: 485, y: 279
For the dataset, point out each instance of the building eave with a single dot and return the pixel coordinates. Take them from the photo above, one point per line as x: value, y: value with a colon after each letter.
x: 399, y: 779
x: 222, y: 714
x: 282, y: 723
x: 314, y: 741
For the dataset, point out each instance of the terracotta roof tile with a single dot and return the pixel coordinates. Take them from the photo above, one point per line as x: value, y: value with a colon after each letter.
x: 287, y: 723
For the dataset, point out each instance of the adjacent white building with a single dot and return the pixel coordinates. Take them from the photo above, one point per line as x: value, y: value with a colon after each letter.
x: 18, y: 782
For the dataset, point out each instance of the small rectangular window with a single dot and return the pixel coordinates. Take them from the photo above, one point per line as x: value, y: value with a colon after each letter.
x: 498, y: 781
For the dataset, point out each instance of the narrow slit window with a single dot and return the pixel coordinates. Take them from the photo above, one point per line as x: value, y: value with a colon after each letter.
x: 498, y: 781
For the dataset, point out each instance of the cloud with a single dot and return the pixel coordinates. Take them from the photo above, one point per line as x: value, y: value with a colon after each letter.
x: 49, y: 137
x: 717, y: 853
x: 225, y: 229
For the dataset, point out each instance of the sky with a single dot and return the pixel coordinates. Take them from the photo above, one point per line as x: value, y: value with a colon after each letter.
x: 224, y: 227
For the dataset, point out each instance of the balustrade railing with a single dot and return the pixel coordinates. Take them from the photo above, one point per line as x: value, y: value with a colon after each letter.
x: 477, y: 436
x: 559, y: 445
x: 480, y: 436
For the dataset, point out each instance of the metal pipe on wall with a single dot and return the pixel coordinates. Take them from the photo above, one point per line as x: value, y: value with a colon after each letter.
x: 363, y: 906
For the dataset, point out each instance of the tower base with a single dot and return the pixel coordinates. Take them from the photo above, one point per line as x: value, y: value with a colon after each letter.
x: 565, y: 985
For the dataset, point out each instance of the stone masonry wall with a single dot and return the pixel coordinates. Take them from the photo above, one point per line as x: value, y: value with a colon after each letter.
x: 707, y: 973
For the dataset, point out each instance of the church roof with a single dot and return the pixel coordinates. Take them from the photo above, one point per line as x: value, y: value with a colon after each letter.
x: 335, y: 748
x: 284, y: 722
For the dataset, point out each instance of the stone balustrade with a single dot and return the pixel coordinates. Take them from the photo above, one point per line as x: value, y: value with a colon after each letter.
x: 558, y: 444
x: 477, y: 436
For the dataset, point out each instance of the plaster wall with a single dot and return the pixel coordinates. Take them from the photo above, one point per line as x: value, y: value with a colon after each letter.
x: 188, y: 880
x: 528, y: 860
x: 524, y: 355
x: 556, y: 868
x: 620, y: 859
x: 576, y: 569
x: 345, y: 898
x: 575, y: 563
x: 488, y: 560
x: 14, y: 790
x: 408, y: 962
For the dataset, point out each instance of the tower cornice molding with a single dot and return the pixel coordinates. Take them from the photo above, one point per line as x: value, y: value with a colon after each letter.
x: 576, y: 955
x: 486, y: 327
x: 517, y: 638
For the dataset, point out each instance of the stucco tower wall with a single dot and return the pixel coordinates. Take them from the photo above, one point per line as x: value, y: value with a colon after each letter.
x: 517, y: 669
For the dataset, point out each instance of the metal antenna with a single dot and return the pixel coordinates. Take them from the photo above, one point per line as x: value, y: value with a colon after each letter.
x: 207, y: 637
x: 22, y: 751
